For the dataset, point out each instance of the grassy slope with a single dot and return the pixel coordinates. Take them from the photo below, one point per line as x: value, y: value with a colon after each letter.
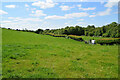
x: 29, y: 55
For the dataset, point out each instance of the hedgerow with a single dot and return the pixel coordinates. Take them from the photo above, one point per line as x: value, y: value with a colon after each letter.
x: 110, y: 41
x: 78, y: 38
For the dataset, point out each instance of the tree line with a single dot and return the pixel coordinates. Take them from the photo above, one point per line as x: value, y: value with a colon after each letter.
x: 110, y: 30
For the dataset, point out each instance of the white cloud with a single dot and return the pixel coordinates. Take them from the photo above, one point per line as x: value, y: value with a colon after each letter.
x: 25, y: 19
x: 33, y: 12
x: 10, y: 6
x: 74, y: 15
x: 13, y: 17
x: 54, y: 17
x: 106, y: 12
x: 26, y: 5
x: 79, y: 5
x: 111, y: 3
x: 22, y: 23
x: 44, y: 5
x: 84, y: 24
x: 90, y: 8
x: 38, y: 13
x: 33, y: 8
x: 66, y: 23
x: 2, y: 12
x: 32, y: 19
x: 64, y: 8
x: 102, y: 13
x: 6, y: 21
x: 92, y: 16
x: 85, y: 9
x: 68, y: 16
x: 109, y: 6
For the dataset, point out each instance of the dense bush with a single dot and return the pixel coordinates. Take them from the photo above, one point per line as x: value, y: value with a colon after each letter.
x: 108, y: 41
x: 39, y: 31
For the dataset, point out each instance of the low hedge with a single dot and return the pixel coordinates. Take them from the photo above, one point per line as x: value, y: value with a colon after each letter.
x: 78, y: 38
x: 57, y: 35
x: 51, y: 34
x: 110, y: 41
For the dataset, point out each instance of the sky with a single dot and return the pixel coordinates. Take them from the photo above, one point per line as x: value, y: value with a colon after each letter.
x: 48, y: 14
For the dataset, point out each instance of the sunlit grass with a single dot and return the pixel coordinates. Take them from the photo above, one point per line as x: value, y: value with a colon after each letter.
x: 30, y: 55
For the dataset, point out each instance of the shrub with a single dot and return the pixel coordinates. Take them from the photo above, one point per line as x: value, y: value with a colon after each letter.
x: 78, y: 38
x: 110, y: 41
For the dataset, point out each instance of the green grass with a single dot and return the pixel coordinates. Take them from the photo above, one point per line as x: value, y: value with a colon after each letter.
x: 30, y: 55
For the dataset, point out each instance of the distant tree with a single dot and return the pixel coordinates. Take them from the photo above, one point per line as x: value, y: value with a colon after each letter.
x: 90, y: 27
x: 79, y: 30
x: 39, y: 31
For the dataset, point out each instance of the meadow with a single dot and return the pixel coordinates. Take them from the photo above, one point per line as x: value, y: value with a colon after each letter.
x: 30, y: 55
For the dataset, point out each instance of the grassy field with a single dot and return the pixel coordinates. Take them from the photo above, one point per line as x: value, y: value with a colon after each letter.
x: 30, y: 55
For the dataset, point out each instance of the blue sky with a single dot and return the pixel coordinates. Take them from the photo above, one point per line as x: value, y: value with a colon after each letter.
x: 53, y: 15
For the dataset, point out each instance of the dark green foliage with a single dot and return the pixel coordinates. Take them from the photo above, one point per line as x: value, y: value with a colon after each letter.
x: 110, y: 30
x: 77, y: 30
x: 90, y: 33
x: 39, y: 31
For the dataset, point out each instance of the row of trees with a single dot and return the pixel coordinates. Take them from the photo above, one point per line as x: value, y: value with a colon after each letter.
x: 110, y: 30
